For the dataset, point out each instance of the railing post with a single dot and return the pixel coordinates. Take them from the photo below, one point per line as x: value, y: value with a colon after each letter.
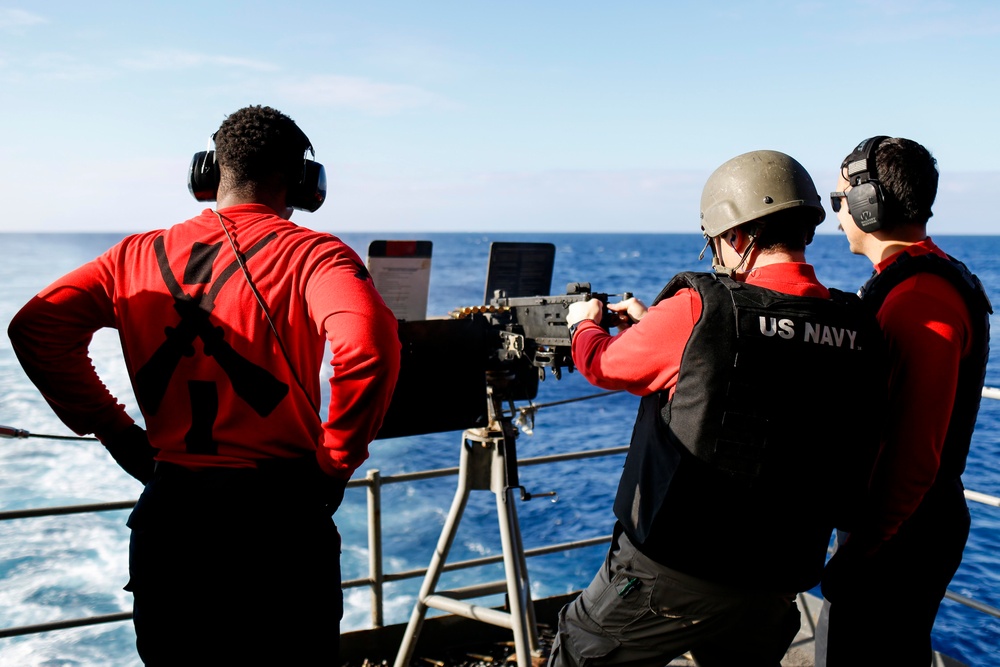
x: 375, y: 573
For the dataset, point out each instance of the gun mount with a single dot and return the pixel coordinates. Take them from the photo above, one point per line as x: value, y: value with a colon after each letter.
x: 471, y: 364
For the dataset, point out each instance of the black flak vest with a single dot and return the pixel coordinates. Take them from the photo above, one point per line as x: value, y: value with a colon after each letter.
x: 972, y: 370
x: 766, y: 443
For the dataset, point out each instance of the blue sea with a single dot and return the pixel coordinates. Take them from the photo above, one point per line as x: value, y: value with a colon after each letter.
x: 70, y: 566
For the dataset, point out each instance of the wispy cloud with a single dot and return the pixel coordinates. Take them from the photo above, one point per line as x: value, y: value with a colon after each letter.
x: 65, y: 66
x: 181, y: 60
x: 53, y: 67
x: 15, y: 19
x: 361, y: 94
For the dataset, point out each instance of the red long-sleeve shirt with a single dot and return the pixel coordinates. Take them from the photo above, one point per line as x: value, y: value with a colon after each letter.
x: 646, y: 357
x: 316, y: 289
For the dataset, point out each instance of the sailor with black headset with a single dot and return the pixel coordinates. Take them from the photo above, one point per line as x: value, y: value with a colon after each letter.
x: 223, y: 320
x: 934, y: 314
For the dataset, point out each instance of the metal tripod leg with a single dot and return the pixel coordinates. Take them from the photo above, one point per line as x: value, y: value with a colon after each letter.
x: 522, y: 609
x: 483, y: 466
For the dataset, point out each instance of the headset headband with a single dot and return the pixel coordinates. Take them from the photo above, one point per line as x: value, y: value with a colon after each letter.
x: 861, y: 162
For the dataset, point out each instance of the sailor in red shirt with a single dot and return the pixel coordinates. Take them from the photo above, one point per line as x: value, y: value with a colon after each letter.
x: 934, y: 314
x: 223, y: 321
x: 744, y: 374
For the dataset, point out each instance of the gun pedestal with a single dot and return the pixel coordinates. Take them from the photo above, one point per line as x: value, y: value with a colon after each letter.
x: 488, y: 462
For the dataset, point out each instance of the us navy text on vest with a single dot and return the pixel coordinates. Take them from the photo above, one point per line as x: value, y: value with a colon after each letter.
x: 812, y: 332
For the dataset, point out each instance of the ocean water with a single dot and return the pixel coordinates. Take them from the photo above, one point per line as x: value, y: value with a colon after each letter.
x: 64, y: 567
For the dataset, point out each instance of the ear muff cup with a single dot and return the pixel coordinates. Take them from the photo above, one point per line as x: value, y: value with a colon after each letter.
x: 867, y: 205
x: 203, y: 176
x: 310, y: 192
x: 866, y: 198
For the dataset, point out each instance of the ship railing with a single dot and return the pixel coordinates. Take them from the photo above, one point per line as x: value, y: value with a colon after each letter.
x: 377, y: 578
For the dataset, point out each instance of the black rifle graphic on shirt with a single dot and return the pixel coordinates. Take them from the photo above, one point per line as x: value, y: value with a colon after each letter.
x: 254, y: 384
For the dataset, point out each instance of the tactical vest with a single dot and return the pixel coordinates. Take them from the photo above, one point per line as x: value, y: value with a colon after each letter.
x: 972, y: 370
x: 767, y: 442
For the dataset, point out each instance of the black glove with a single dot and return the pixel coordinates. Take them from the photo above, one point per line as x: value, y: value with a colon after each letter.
x: 131, y: 450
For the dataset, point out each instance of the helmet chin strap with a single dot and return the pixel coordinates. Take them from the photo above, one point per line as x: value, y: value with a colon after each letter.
x: 708, y: 242
x: 718, y: 264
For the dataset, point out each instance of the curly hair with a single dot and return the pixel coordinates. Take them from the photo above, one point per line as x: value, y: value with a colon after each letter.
x: 256, y: 143
x: 909, y: 177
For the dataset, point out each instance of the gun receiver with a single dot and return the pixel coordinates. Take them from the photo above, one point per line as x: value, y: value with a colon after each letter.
x: 535, y: 326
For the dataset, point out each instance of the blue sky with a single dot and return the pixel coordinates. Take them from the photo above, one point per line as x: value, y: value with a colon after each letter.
x: 488, y: 116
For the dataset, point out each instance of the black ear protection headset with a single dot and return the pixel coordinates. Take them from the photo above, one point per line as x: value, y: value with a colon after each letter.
x: 866, y: 198
x: 306, y: 194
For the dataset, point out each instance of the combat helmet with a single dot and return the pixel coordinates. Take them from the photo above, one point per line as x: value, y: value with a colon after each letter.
x: 753, y: 185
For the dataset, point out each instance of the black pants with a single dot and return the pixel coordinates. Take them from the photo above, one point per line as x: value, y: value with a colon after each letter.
x: 888, y: 618
x: 234, y: 567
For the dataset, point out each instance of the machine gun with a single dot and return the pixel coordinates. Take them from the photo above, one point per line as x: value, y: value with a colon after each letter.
x: 536, y: 327
x: 497, y: 351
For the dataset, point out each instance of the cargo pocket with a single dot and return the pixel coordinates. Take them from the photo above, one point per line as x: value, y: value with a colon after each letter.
x: 579, y: 639
x: 611, y: 614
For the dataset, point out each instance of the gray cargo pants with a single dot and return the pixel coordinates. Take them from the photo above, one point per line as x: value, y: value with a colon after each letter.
x: 637, y: 612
